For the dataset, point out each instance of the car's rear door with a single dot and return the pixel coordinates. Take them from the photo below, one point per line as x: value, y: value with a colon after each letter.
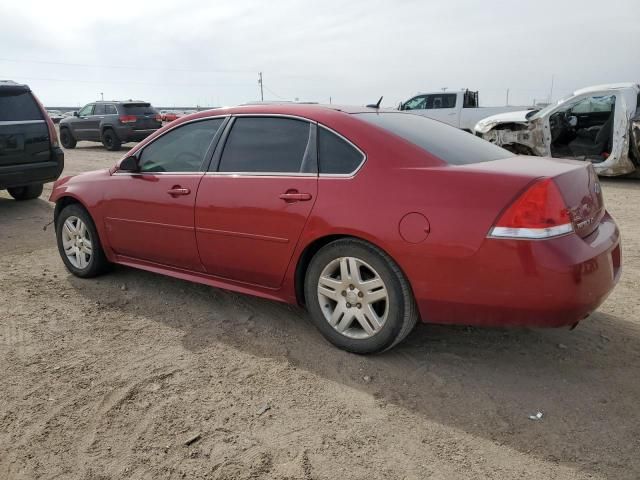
x: 149, y: 215
x: 24, y: 136
x: 252, y: 207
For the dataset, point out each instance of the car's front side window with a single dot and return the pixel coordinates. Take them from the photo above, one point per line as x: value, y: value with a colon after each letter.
x: 180, y: 150
x: 269, y: 145
x: 86, y: 111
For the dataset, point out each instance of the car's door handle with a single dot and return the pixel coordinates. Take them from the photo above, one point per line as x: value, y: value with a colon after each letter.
x: 294, y: 196
x: 178, y: 190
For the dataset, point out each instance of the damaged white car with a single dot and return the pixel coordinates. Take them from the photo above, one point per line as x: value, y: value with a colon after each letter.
x: 600, y: 124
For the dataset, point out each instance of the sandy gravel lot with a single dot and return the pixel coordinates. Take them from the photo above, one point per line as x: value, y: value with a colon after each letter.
x: 110, y: 378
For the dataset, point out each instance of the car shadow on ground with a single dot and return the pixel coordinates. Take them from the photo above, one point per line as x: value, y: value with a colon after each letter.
x: 22, y: 224
x: 486, y: 382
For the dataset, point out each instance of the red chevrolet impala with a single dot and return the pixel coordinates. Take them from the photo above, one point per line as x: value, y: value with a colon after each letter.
x: 372, y: 220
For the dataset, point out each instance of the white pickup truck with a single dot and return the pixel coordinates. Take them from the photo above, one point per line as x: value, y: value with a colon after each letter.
x: 457, y: 108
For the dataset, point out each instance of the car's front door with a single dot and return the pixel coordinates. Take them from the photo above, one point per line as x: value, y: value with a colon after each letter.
x: 149, y: 214
x: 252, y: 207
x: 81, y: 125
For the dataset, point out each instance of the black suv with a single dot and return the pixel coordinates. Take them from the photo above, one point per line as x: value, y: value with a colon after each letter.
x: 112, y: 123
x: 29, y: 151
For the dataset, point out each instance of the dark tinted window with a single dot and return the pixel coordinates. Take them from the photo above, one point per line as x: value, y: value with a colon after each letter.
x: 180, y: 150
x: 18, y: 107
x: 110, y: 110
x: 336, y: 154
x: 266, y: 144
x: 99, y: 109
x: 440, y: 100
x: 139, y: 109
x: 445, y: 142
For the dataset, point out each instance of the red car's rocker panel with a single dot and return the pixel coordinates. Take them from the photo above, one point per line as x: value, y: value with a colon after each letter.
x: 489, y: 241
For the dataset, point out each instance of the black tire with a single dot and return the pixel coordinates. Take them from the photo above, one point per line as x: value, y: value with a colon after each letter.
x: 28, y: 192
x: 66, y: 138
x: 402, y: 313
x: 97, y: 263
x: 110, y: 140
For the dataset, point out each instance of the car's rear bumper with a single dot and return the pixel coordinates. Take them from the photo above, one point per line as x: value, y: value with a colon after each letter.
x: 543, y: 283
x: 128, y: 134
x: 32, y: 173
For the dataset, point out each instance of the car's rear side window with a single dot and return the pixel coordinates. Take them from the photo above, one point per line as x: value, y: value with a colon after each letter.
x: 18, y: 107
x: 268, y: 145
x: 336, y: 155
x: 110, y: 110
x: 180, y: 150
x: 448, y: 143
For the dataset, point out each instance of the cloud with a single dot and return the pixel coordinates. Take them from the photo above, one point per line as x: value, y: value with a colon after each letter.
x: 193, y: 52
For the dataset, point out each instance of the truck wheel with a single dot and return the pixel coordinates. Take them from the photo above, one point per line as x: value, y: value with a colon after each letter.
x: 27, y: 192
x: 67, y: 139
x: 111, y: 141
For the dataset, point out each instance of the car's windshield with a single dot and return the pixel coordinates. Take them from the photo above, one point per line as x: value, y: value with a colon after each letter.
x: 550, y: 107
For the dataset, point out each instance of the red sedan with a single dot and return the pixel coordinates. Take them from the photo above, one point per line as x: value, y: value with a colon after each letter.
x: 372, y: 220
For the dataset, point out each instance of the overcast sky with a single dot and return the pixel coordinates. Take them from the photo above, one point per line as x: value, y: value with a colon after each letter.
x: 209, y: 52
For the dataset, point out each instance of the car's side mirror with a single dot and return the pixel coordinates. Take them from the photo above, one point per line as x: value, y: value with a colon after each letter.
x: 129, y: 164
x: 75, y: 114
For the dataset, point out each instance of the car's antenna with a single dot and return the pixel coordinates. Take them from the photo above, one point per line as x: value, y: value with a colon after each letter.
x: 375, y: 105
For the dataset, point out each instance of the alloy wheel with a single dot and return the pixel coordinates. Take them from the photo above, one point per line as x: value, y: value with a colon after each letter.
x: 76, y: 241
x: 353, y: 297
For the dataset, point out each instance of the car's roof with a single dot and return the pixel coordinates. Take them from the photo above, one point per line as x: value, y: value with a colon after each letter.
x: 121, y: 101
x: 13, y: 85
x: 608, y: 86
x: 277, y: 108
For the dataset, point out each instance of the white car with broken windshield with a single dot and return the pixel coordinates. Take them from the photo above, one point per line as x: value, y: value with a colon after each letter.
x: 599, y: 124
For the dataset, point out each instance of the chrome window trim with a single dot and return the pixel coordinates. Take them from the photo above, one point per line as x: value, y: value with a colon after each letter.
x: 264, y: 174
x: 341, y: 175
x: 139, y: 152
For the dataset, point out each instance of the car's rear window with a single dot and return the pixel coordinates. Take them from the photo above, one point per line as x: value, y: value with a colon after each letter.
x: 139, y: 109
x: 18, y: 107
x: 454, y: 146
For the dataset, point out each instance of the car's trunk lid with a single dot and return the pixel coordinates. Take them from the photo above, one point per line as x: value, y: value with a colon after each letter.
x: 577, y: 181
x: 24, y: 134
x: 146, y: 115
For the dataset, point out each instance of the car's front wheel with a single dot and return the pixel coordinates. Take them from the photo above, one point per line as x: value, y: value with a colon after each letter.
x: 78, y: 242
x: 358, y: 297
x: 27, y: 192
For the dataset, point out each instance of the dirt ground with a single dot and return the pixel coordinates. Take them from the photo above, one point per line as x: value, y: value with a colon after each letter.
x: 111, y: 378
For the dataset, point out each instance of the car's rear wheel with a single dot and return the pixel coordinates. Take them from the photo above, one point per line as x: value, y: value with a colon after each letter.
x: 358, y: 297
x: 110, y: 140
x: 66, y: 138
x: 27, y: 192
x: 79, y: 244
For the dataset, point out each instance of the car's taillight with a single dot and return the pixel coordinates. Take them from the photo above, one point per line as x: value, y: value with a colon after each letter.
x: 540, y: 212
x: 53, y: 135
x: 128, y: 118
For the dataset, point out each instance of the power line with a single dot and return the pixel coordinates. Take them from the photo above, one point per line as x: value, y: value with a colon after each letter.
x: 127, y: 67
x: 99, y: 82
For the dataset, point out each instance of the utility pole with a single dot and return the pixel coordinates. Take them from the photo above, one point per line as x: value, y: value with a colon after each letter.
x: 101, y: 96
x: 551, y: 92
x: 507, y: 97
x: 260, y: 82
